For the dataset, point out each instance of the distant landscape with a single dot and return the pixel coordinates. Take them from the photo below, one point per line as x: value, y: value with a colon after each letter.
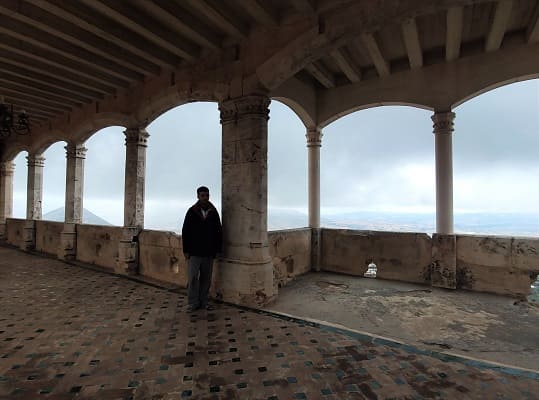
x: 505, y: 224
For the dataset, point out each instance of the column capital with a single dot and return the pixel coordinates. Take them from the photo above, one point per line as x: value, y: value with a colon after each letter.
x: 443, y: 122
x: 137, y: 136
x: 255, y: 105
x: 7, y: 168
x: 314, y: 137
x: 36, y: 160
x: 75, y: 150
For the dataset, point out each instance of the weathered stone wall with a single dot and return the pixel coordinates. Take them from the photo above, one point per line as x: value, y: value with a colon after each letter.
x: 497, y: 264
x: 398, y: 256
x: 291, y: 253
x: 98, y: 245
x: 48, y: 236
x: 15, y: 231
x: 161, y: 257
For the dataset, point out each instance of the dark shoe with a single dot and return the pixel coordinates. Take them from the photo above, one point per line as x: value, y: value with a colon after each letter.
x: 209, y: 307
x: 191, y: 308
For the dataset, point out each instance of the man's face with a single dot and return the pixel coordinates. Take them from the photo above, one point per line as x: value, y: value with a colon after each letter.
x: 204, y: 198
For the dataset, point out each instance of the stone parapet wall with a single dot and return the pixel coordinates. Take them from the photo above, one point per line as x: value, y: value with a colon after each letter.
x: 497, y: 264
x: 291, y: 253
x: 98, y: 245
x: 398, y: 256
x: 15, y: 231
x: 48, y: 236
x: 161, y: 257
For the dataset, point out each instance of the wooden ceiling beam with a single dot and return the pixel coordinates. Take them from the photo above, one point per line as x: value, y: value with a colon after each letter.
x: 303, y: 6
x: 532, y: 33
x: 35, y: 99
x: 40, y: 20
x: 321, y: 74
x: 53, y: 72
x: 43, y: 40
x: 42, y: 87
x: 221, y: 19
x: 260, y: 13
x: 91, y: 21
x: 453, y: 37
x: 499, y: 25
x: 25, y: 73
x: 48, y: 59
x: 381, y: 65
x: 25, y: 103
x: 181, y: 21
x: 124, y: 14
x: 346, y: 65
x: 411, y: 41
x: 6, y: 85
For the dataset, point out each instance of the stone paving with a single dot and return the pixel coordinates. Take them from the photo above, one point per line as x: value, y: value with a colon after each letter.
x: 73, y: 333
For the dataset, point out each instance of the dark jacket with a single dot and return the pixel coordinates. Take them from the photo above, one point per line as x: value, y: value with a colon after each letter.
x: 202, y: 236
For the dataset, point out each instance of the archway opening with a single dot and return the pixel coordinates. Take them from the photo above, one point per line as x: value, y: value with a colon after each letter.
x: 377, y: 171
x: 287, y: 169
x: 184, y: 152
x: 20, y: 179
x: 54, y: 182
x: 104, y: 176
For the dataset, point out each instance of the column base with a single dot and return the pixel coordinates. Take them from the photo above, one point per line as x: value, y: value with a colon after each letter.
x: 245, y: 283
x: 68, y: 243
x: 127, y: 263
x: 444, y: 261
x: 29, y: 236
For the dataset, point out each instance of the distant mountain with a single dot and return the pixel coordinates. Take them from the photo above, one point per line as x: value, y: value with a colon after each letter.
x: 87, y: 217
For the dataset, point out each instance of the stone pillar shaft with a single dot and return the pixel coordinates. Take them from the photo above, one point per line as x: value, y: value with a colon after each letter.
x: 443, y: 130
x: 7, y: 170
x: 136, y: 140
x: 75, y: 154
x: 6, y: 195
x: 247, y: 277
x: 34, y: 188
x: 314, y: 142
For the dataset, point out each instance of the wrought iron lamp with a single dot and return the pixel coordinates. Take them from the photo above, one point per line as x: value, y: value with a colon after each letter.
x: 12, y: 123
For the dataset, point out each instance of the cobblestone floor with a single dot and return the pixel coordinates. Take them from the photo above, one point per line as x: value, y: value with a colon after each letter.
x: 72, y: 333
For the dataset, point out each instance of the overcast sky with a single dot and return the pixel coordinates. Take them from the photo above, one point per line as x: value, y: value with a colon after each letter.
x: 379, y: 159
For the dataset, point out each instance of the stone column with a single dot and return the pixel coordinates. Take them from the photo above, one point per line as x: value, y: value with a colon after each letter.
x: 443, y: 131
x: 6, y: 195
x: 75, y: 154
x: 314, y: 142
x: 136, y: 141
x: 444, y: 247
x: 34, y: 197
x: 245, y: 273
x: 34, y: 188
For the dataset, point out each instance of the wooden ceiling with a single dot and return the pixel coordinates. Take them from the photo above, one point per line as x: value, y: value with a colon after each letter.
x: 57, y: 55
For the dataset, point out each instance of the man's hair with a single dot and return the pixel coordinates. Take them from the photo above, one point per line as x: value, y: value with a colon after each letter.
x: 203, y: 189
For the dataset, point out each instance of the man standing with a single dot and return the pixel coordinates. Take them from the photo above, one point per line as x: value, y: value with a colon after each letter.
x: 202, y: 240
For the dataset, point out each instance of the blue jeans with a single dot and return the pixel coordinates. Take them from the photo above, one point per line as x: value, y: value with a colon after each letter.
x: 199, y: 271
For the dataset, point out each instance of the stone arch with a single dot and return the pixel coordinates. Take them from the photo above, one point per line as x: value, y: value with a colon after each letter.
x: 371, y: 105
x: 84, y: 131
x: 298, y: 109
x: 13, y: 151
x: 41, y: 146
x: 153, y: 107
x: 493, y: 86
